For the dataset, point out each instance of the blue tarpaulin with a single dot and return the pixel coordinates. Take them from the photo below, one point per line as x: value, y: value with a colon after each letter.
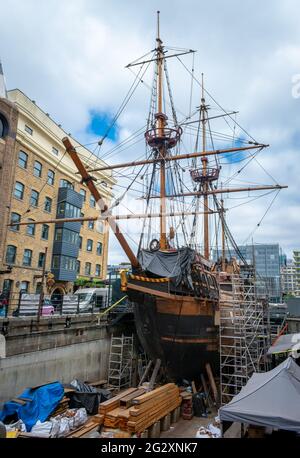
x: 44, y: 400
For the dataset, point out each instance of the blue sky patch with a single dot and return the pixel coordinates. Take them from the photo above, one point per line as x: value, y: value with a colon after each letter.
x: 99, y: 123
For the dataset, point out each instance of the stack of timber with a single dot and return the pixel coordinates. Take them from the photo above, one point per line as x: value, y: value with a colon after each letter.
x: 113, y: 403
x: 151, y: 407
x: 135, y: 410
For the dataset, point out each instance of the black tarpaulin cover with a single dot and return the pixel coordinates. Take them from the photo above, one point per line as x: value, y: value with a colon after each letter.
x: 172, y: 264
x: 268, y: 399
x: 87, y: 396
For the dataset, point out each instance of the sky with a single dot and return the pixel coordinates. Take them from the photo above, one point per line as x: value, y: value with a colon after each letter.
x: 70, y: 57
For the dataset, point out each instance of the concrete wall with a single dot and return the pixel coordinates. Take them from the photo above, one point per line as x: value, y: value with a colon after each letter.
x: 85, y: 361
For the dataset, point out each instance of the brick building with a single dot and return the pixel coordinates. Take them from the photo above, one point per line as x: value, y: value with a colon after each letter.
x: 39, y: 182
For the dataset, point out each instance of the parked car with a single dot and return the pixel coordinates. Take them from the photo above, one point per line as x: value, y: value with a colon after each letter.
x: 47, y: 308
x: 91, y: 298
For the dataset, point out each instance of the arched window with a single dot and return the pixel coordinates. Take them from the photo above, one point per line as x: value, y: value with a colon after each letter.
x: 3, y: 126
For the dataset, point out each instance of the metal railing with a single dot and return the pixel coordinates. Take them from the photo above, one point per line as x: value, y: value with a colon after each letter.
x: 27, y: 305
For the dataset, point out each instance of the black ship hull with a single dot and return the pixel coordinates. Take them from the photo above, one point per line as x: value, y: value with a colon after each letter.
x: 178, y: 329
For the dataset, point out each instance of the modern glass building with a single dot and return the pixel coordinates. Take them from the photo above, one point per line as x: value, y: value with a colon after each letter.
x: 267, y: 260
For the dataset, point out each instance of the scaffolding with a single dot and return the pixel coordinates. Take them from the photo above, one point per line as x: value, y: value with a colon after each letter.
x: 120, y: 362
x: 243, y: 335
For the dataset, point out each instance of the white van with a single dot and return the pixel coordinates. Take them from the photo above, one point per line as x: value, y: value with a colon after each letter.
x: 92, y: 298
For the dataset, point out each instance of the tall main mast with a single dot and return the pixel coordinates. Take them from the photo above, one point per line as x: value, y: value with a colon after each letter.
x: 160, y: 124
x: 204, y: 160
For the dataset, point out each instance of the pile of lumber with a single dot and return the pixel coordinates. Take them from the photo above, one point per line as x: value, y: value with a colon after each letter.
x: 151, y: 407
x: 114, y: 402
x: 117, y: 409
x: 134, y: 410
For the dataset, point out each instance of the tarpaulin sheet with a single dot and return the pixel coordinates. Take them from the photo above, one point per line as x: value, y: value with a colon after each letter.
x: 87, y: 396
x: 172, y: 264
x: 44, y: 400
x: 268, y: 399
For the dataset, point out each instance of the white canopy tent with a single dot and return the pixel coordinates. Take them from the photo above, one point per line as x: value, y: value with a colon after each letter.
x: 269, y: 399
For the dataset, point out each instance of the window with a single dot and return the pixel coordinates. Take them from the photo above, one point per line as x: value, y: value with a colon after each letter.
x: 99, y: 248
x: 7, y: 286
x: 99, y: 227
x: 41, y: 260
x: 98, y: 270
x: 82, y: 216
x: 82, y: 192
x: 38, y: 288
x: 66, y: 210
x: 34, y: 198
x: 51, y: 176
x: 15, y: 218
x: 27, y: 257
x: 78, y: 266
x: 80, y: 242
x: 55, y: 151
x: 48, y: 204
x: 68, y: 263
x: 63, y: 262
x: 23, y: 160
x: 30, y: 228
x: 37, y: 169
x: 19, y: 190
x: 3, y: 126
x: 66, y: 184
x: 92, y: 201
x: 89, y: 245
x: 87, y: 268
x: 45, y: 232
x: 24, y: 288
x: 55, y: 262
x: 28, y: 130
x: 91, y: 224
x: 66, y: 235
x: 11, y: 252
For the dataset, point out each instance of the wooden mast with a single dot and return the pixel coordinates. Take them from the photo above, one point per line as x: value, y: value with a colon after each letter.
x: 204, y: 160
x: 222, y: 191
x: 178, y: 157
x: 160, y: 124
x: 223, y: 234
x: 88, y: 180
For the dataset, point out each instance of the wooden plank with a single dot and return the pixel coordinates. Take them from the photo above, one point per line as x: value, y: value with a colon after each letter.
x: 132, y: 426
x: 145, y: 373
x: 212, y: 383
x: 19, y: 401
x: 194, y: 387
x: 154, y: 374
x: 82, y: 430
x: 97, y: 383
x: 209, y: 400
x: 112, y: 403
x: 128, y: 400
x: 140, y: 409
x: 146, y: 396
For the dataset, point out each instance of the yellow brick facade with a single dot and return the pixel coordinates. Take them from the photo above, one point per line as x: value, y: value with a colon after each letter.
x: 46, y: 135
